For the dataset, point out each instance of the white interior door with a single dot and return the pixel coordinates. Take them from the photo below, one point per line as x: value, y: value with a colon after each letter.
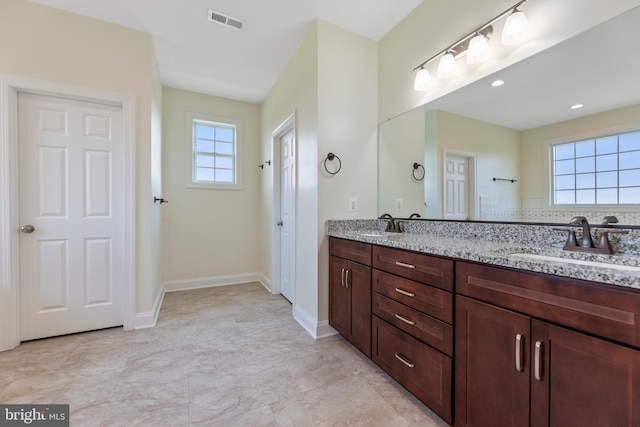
x: 456, y: 188
x: 287, y: 215
x: 71, y: 191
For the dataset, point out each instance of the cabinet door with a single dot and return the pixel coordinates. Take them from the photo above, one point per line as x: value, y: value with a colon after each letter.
x: 491, y: 365
x: 358, y: 281
x: 338, y: 295
x: 578, y: 380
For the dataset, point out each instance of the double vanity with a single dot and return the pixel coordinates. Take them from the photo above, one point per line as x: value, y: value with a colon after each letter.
x: 493, y: 324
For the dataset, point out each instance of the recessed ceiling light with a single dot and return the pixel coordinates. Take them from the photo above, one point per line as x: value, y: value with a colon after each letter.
x: 497, y: 83
x: 576, y: 106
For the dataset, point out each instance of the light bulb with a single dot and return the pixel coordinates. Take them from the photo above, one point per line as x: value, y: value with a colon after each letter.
x: 423, y: 77
x: 447, y: 66
x: 478, y: 48
x: 514, y: 28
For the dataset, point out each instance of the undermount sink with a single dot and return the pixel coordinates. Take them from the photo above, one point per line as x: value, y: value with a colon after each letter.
x: 371, y: 235
x: 538, y: 257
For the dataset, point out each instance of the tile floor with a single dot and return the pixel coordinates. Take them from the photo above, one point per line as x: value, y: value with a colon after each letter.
x: 226, y: 356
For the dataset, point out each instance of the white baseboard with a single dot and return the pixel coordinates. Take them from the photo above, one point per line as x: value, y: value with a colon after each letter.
x: 316, y: 329
x: 324, y: 330
x: 149, y: 319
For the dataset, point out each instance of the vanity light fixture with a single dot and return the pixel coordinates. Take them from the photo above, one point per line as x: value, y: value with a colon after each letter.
x: 474, y: 45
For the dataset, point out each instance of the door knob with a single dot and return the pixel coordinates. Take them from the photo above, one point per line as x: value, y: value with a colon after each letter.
x: 27, y: 228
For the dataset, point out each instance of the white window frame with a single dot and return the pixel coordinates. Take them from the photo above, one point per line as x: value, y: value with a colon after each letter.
x: 549, y: 167
x: 190, y: 180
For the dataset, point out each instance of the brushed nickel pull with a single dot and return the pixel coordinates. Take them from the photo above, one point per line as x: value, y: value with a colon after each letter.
x: 407, y: 293
x: 405, y: 361
x: 405, y: 320
x: 402, y: 264
x: 538, y: 361
x: 346, y: 282
x: 342, y: 278
x: 519, y: 353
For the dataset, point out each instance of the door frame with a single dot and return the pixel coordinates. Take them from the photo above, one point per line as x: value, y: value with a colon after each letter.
x: 473, y: 181
x: 10, y: 85
x: 289, y: 124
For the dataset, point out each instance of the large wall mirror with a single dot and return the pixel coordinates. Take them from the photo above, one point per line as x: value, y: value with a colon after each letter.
x: 483, y: 152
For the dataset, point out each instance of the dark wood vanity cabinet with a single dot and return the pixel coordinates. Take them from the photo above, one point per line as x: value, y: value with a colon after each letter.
x: 412, y: 336
x: 350, y: 291
x: 525, y: 354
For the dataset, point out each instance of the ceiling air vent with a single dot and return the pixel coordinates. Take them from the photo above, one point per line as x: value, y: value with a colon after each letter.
x: 226, y: 20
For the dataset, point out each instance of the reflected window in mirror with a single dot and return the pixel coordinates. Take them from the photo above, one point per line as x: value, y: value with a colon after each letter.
x: 603, y: 170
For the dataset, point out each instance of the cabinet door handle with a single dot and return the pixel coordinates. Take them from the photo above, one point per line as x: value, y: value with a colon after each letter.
x: 402, y: 264
x: 407, y: 293
x: 401, y: 358
x: 346, y: 281
x: 405, y: 320
x: 538, y: 361
x: 519, y: 353
x: 342, y: 278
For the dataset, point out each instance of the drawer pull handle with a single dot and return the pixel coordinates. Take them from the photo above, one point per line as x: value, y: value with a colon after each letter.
x: 346, y: 280
x: 405, y: 320
x: 342, y: 278
x: 405, y: 361
x: 402, y: 264
x: 519, y: 353
x: 538, y: 362
x: 403, y: 292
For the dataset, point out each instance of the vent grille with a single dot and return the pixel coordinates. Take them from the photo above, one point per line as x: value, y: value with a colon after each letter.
x: 226, y: 20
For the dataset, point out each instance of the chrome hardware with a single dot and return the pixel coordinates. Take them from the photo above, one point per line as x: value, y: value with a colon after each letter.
x: 405, y: 320
x: 279, y: 223
x: 538, y: 361
x: 405, y: 361
x: 402, y: 264
x: 409, y: 294
x: 27, y: 229
x: 519, y: 353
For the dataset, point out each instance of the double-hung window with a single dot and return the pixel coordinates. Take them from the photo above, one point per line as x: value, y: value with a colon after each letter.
x: 597, y: 171
x: 214, y: 152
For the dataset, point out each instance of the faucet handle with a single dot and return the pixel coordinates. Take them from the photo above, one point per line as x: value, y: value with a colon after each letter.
x: 610, y: 219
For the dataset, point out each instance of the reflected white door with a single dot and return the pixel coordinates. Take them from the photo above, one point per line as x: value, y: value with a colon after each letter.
x: 456, y: 187
x: 287, y: 215
x: 72, y: 193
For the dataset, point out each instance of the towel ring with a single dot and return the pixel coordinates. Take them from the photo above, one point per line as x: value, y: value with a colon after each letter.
x: 417, y: 166
x: 331, y: 157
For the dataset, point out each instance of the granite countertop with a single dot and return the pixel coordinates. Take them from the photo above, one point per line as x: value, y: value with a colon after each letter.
x: 624, y: 270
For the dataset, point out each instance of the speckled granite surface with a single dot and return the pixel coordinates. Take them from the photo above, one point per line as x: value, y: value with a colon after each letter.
x: 500, y: 244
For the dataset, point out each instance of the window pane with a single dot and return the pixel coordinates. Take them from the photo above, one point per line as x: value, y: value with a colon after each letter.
x: 565, y: 197
x: 204, y: 146
x: 204, y: 131
x: 607, y: 163
x: 607, y: 179
x: 630, y: 178
x: 586, y: 164
x: 223, y: 175
x: 607, y: 197
x: 630, y: 195
x: 564, y: 151
x: 630, y: 141
x: 204, y: 161
x: 585, y: 148
x: 224, y: 134
x: 224, y: 148
x: 630, y: 160
x: 586, y: 197
x: 565, y: 182
x: 564, y: 167
x: 586, y: 180
x: 204, y: 174
x: 607, y: 145
x: 224, y: 162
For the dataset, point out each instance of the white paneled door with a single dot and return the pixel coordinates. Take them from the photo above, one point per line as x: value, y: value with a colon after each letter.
x: 287, y: 215
x: 456, y: 194
x: 71, y: 163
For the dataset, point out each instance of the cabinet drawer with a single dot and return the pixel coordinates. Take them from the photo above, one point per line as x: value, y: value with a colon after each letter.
x: 350, y: 249
x: 432, y: 331
x: 603, y: 310
x: 427, y: 299
x: 427, y: 269
x: 422, y: 370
